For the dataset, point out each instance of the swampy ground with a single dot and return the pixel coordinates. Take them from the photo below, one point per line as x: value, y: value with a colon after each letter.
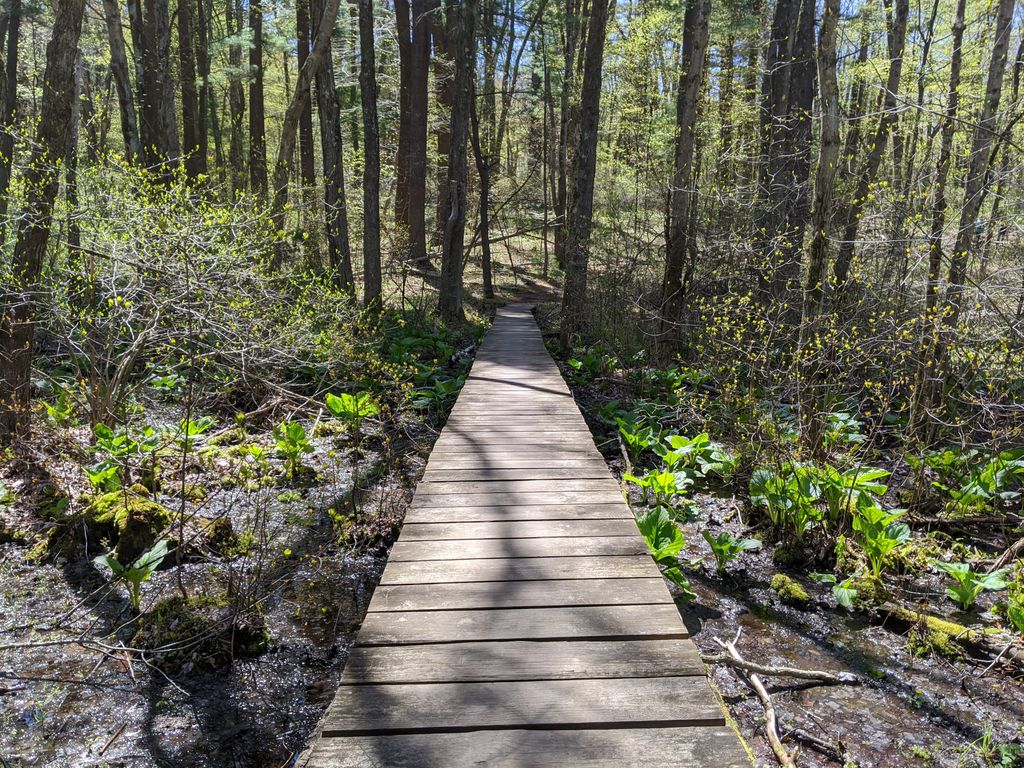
x: 923, y: 699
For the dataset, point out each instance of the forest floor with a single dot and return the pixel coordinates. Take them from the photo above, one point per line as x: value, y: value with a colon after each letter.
x: 279, y: 585
x: 921, y: 701
x: 71, y: 695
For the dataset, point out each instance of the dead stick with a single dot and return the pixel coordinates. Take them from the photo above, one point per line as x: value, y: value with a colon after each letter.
x: 111, y: 739
x: 841, y: 678
x: 771, y: 726
x: 1008, y: 556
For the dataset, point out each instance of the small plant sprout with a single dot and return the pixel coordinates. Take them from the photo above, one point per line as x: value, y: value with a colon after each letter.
x: 727, y: 547
x: 969, y: 584
x: 353, y: 409
x: 636, y: 437
x: 663, y: 536
x: 60, y: 412
x: 843, y: 591
x: 292, y: 442
x: 665, y: 541
x: 139, y: 572
x: 879, y: 534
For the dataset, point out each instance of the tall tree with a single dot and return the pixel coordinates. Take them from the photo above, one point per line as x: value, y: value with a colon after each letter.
x: 443, y: 79
x: 339, y: 250
x: 151, y: 35
x: 580, y: 216
x: 257, y: 107
x: 9, y: 116
x: 372, y: 281
x: 42, y: 182
x: 927, y: 381
x: 821, y: 212
x: 290, y: 122
x: 307, y: 165
x: 571, y: 32
x: 122, y: 81
x: 978, y: 167
x: 206, y: 100
x: 933, y: 373
x: 896, y: 36
x: 403, y: 28
x: 416, y: 163
x: 461, y: 18
x: 195, y: 160
x: 691, y: 76
x: 787, y: 95
x: 483, y: 169
x: 236, y: 97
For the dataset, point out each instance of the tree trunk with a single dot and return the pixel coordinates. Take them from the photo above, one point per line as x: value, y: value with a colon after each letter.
x: 42, y: 182
x: 691, y: 76
x: 151, y: 37
x: 416, y: 198
x: 461, y: 17
x: 236, y: 100
x: 788, y: 94
x: 570, y: 42
x: 483, y: 169
x: 195, y: 160
x: 978, y: 168
x: 339, y: 250
x: 928, y: 382
x: 403, y: 27
x: 896, y: 39
x: 203, y: 66
x: 580, y: 217
x: 974, y: 184
x: 9, y: 116
x: 306, y: 164
x: 122, y: 81
x: 290, y: 123
x: 445, y: 94
x: 257, y: 108
x: 372, y: 282
x: 821, y: 213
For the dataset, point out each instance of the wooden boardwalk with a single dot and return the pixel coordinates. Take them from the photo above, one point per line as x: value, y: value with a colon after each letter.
x: 520, y: 620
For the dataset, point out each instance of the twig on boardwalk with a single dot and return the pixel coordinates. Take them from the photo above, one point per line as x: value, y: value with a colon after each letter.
x: 771, y: 726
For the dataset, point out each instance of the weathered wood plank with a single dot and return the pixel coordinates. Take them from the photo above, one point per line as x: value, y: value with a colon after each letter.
x: 585, y: 471
x: 562, y: 623
x: 515, y: 569
x: 522, y: 660
x: 491, y: 513
x: 523, y: 529
x: 609, y: 496
x: 692, y: 747
x: 520, y: 594
x: 533, y: 485
x: 469, y: 549
x: 469, y: 463
x: 667, y: 701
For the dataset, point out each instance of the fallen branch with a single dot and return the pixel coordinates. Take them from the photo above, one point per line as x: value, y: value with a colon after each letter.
x: 771, y: 725
x: 992, y: 647
x: 829, y: 678
x: 1011, y: 554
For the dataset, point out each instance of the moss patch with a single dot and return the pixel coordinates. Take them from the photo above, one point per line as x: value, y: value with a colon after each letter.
x: 929, y: 635
x: 200, y: 632
x: 133, y: 521
x: 870, y: 590
x: 789, y: 591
